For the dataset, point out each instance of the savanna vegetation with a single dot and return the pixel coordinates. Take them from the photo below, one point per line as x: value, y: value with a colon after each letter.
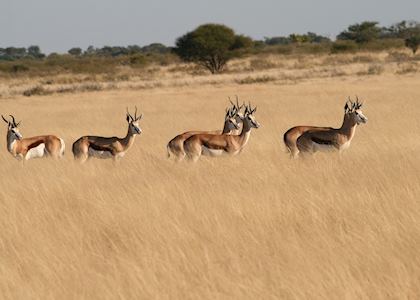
x: 254, y: 226
x: 210, y: 46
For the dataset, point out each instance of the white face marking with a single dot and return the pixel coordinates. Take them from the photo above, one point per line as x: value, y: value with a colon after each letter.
x: 360, y: 117
x: 253, y: 122
x: 135, y: 127
x: 38, y: 151
x: 16, y: 133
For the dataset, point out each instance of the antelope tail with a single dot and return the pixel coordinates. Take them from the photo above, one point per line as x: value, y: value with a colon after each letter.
x: 63, y: 147
x: 286, y: 143
x: 167, y: 149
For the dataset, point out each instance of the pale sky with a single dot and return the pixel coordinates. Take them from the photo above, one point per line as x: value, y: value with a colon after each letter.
x: 58, y: 25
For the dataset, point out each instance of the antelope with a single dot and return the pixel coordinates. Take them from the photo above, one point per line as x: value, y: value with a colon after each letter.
x: 176, y: 145
x: 339, y: 139
x: 291, y: 136
x: 107, y: 147
x: 216, y: 145
x: 32, y: 147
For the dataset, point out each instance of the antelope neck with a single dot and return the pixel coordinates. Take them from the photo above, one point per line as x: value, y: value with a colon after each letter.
x: 348, y: 128
x: 245, y: 133
x: 128, y: 140
x: 11, y: 139
x: 226, y: 127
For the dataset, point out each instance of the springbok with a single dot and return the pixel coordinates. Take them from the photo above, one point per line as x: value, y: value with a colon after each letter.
x: 107, y: 147
x: 216, y: 145
x: 339, y: 139
x: 291, y: 136
x: 176, y: 145
x: 33, y: 147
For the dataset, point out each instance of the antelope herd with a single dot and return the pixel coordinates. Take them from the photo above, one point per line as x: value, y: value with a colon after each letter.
x: 191, y: 145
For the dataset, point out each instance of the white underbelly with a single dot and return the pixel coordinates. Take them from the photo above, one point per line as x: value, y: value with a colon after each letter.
x: 38, y: 151
x: 99, y: 153
x: 322, y: 147
x: 212, y: 152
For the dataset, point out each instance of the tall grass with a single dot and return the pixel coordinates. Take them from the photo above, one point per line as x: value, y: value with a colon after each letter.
x: 258, y: 225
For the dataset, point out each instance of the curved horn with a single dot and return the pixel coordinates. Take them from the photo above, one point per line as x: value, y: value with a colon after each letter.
x: 346, y: 107
x: 233, y: 104
x: 129, y: 115
x: 8, y: 122
x: 237, y: 103
x: 135, y: 113
x: 14, y: 121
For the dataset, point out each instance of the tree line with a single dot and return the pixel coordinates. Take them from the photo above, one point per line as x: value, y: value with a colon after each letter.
x: 213, y: 45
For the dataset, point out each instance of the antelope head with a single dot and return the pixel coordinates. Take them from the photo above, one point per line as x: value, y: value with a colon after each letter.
x: 249, y: 116
x: 353, y: 110
x: 133, y: 122
x: 12, y: 128
x: 239, y: 116
x: 230, y: 119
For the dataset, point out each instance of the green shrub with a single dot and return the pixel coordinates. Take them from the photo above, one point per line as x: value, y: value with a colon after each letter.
x: 344, y: 46
x: 19, y: 68
x: 211, y: 46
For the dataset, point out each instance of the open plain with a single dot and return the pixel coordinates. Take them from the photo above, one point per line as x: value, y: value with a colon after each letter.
x: 255, y: 226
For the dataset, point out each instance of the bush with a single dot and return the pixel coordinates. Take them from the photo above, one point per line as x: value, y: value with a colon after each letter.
x: 361, y: 33
x: 211, y: 46
x: 75, y: 51
x: 19, y: 68
x: 413, y: 42
x: 343, y: 46
x: 258, y: 79
x: 37, y: 90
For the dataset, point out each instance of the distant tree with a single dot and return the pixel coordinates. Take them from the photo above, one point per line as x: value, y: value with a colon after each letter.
x: 277, y: 40
x: 209, y: 45
x: 410, y: 32
x: 15, y: 53
x: 155, y: 48
x: 344, y: 46
x: 133, y: 49
x: 242, y: 42
x: 299, y: 38
x: 413, y: 42
x: 361, y: 33
x: 316, y: 38
x: 259, y: 44
x: 76, y: 51
x: 309, y: 37
x: 90, y: 50
x: 35, y: 52
x: 394, y: 31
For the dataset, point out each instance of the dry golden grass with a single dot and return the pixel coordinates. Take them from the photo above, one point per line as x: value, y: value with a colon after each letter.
x: 256, y: 69
x: 255, y: 226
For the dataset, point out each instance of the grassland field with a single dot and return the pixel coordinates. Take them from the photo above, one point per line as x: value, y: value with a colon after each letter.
x: 255, y: 226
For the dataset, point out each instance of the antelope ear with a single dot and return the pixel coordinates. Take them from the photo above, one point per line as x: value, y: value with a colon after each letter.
x: 128, y: 118
x: 141, y: 115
